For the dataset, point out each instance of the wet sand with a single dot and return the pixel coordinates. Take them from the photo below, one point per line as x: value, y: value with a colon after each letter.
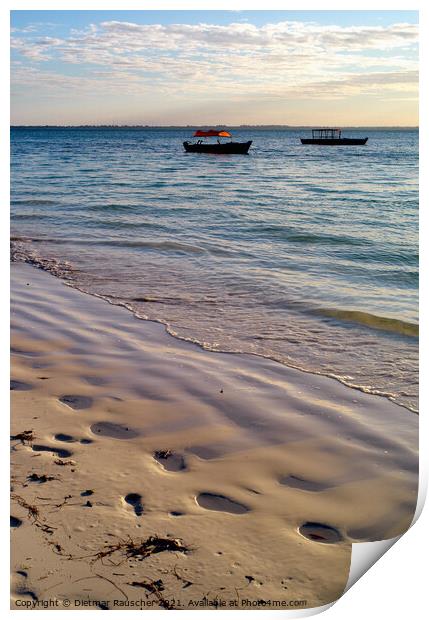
x: 144, y: 468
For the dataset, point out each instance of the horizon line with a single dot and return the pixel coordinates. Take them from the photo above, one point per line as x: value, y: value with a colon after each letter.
x: 217, y: 125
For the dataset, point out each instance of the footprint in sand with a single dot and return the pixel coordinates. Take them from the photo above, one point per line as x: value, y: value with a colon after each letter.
x: 304, y: 485
x: 110, y: 429
x: 135, y: 500
x: 64, y: 437
x: 61, y: 452
x: 171, y: 461
x: 15, y: 522
x: 20, y: 386
x: 319, y: 532
x: 76, y: 402
x: 70, y: 439
x: 212, y: 501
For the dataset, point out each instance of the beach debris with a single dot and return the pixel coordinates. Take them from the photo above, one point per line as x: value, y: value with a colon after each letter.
x: 102, y: 604
x: 150, y: 586
x: 137, y: 549
x: 162, y: 454
x: 40, y: 479
x: 87, y: 492
x: 184, y: 580
x: 253, y: 580
x: 33, y: 514
x: 24, y: 437
x: 155, y: 588
x: 171, y: 461
x: 155, y: 544
x: 89, y: 504
x: 58, y: 548
x: 64, y: 463
x: 254, y: 491
x: 66, y: 498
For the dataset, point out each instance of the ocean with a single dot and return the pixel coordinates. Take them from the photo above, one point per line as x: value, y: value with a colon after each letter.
x: 304, y: 254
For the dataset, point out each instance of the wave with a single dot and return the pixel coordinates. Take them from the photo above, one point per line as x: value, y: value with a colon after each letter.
x: 173, y: 246
x: 33, y: 202
x: 112, y: 207
x: 31, y: 216
x: 288, y: 234
x: 161, y: 246
x: 20, y: 252
x: 374, y: 321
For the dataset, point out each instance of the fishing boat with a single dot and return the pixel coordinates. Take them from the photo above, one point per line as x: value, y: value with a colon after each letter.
x: 216, y: 147
x: 331, y: 137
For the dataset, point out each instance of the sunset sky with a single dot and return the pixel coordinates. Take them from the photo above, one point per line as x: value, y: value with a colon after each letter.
x: 214, y: 67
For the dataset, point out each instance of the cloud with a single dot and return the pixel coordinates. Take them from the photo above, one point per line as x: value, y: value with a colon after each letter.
x: 233, y: 62
x: 110, y: 38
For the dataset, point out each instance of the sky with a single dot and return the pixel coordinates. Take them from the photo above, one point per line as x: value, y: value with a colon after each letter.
x: 214, y: 67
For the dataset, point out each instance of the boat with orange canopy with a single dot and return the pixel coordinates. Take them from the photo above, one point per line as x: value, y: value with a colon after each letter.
x: 216, y: 147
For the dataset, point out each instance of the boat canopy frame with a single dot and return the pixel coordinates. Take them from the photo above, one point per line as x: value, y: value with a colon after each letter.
x: 326, y: 133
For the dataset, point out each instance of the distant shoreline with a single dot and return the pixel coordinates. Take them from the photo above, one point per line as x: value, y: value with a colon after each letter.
x: 233, y: 127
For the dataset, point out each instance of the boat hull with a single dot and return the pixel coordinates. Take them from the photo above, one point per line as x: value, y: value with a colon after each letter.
x: 334, y: 141
x: 236, y: 148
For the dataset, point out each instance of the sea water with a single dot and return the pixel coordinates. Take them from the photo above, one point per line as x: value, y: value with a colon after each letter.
x: 304, y: 254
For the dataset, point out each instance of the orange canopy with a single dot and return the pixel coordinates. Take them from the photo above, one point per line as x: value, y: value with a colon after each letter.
x: 211, y: 132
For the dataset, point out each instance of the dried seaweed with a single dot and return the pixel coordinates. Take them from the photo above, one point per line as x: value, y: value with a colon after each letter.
x: 40, y: 479
x: 138, y: 549
x: 33, y: 514
x: 184, y: 580
x: 163, y: 454
x: 24, y: 437
x: 63, y: 463
x: 155, y: 588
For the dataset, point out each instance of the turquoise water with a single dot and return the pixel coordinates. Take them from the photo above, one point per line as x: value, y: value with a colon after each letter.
x: 305, y: 254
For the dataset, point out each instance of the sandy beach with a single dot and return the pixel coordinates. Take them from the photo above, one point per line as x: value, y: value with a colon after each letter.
x: 149, y: 472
